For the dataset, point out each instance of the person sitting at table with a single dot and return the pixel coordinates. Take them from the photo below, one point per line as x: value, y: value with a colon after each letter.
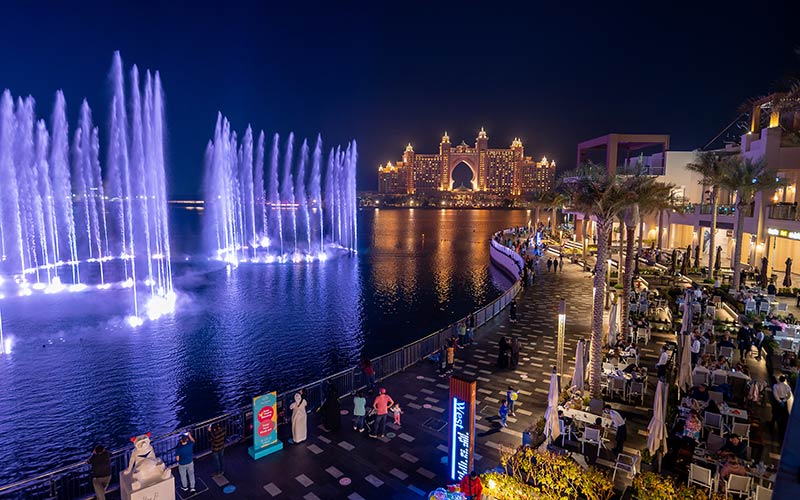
x: 790, y: 319
x: 741, y: 368
x: 722, y: 364
x: 734, y: 446
x: 699, y: 393
x: 693, y: 426
x: 726, y: 342
x: 732, y: 465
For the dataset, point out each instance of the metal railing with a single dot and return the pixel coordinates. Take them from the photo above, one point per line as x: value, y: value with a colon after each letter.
x: 75, y: 481
x: 783, y: 211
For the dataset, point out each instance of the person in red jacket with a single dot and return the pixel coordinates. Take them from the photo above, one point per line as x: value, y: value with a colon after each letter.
x: 471, y: 486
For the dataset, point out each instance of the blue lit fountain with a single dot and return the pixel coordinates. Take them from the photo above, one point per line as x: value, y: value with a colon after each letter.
x: 66, y: 228
x: 279, y: 209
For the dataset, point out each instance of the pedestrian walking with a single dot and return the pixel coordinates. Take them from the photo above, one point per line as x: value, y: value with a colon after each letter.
x: 549, y: 264
x: 218, y: 434
x: 359, y: 411
x: 381, y: 406
x: 622, y: 430
x: 560, y: 263
x: 503, y: 354
x: 462, y: 333
x: 397, y: 411
x: 471, y: 486
x: 451, y: 356
x: 511, y: 397
x: 695, y: 349
x: 470, y: 328
x: 184, y: 454
x: 512, y: 311
x: 442, y: 361
x: 101, y: 470
x: 503, y: 413
x: 299, y: 419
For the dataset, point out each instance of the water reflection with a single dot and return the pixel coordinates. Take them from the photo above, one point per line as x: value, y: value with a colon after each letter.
x: 237, y: 333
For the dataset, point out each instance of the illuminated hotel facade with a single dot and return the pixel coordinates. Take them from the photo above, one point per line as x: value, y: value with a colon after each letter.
x: 503, y: 172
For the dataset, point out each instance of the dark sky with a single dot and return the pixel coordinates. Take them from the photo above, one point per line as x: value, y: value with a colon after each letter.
x: 385, y: 73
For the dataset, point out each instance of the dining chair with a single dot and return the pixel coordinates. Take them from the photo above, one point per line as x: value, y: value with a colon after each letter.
x: 718, y: 379
x: 591, y: 436
x: 701, y: 476
x: 763, y: 307
x: 742, y: 430
x: 626, y: 463
x: 636, y: 391
x: 711, y: 311
x: 596, y: 406
x: 727, y: 352
x: 710, y: 349
x: 714, y: 443
x: 761, y: 493
x: 617, y: 386
x: 738, y: 485
x: 699, y: 378
x: 749, y: 306
x: 715, y: 396
x: 712, y: 421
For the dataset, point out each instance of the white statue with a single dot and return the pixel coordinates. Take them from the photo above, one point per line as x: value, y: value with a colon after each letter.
x: 147, y: 468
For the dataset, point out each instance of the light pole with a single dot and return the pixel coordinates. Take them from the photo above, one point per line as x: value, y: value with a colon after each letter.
x: 562, y: 319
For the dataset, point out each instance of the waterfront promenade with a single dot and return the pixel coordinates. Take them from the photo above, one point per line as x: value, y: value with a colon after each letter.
x: 407, y: 463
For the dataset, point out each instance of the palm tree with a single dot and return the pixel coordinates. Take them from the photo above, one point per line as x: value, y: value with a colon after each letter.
x: 558, y: 201
x: 645, y: 194
x: 746, y: 178
x: 601, y: 195
x: 710, y: 167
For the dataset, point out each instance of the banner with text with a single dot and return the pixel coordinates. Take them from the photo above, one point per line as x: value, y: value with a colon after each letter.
x: 265, y: 425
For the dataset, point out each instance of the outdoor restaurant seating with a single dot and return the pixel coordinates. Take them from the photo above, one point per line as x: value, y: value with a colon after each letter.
x: 700, y: 378
x: 712, y: 421
x: 742, y: 430
x: 762, y: 493
x: 636, y: 391
x: 715, y: 396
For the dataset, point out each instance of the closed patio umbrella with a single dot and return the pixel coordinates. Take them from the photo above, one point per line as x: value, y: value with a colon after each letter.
x: 612, y: 324
x: 718, y: 262
x: 763, y: 277
x: 674, y: 261
x: 579, y: 374
x: 551, y: 427
x: 685, y: 366
x: 686, y: 321
x: 685, y: 262
x: 787, y: 280
x: 656, y: 429
x: 697, y: 256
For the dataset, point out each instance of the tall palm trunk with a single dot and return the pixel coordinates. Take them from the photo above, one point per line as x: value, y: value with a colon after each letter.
x: 660, y: 227
x: 598, y: 307
x: 631, y: 217
x: 553, y: 223
x: 712, y: 249
x: 621, y: 248
x: 585, y: 239
x: 737, y: 246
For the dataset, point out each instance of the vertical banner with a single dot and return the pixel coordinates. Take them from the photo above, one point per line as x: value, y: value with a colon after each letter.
x: 462, y: 425
x: 265, y: 426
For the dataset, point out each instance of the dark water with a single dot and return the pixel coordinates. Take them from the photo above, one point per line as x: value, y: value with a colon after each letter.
x: 78, y: 376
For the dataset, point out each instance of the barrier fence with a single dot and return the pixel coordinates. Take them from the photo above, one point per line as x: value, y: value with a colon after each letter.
x: 75, y: 481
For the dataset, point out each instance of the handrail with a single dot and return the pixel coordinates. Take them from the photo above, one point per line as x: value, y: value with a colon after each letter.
x: 74, y: 480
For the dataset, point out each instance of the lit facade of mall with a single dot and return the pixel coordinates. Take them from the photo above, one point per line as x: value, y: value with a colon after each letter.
x: 771, y: 223
x: 503, y: 172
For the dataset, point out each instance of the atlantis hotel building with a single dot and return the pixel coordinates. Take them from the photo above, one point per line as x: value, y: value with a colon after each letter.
x: 503, y: 172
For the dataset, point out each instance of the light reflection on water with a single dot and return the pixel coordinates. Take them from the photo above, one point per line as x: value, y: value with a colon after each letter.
x: 237, y: 333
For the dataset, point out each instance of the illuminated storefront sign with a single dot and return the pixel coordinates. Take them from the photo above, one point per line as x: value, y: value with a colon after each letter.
x: 462, y: 426
x: 784, y: 233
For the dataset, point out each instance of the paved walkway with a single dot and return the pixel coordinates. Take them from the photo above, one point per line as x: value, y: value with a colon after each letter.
x: 409, y: 461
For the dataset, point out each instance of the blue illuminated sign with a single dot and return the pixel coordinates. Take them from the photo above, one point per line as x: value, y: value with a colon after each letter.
x: 460, y: 441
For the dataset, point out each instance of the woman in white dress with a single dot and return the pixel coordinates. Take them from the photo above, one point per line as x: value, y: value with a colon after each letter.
x: 299, y: 428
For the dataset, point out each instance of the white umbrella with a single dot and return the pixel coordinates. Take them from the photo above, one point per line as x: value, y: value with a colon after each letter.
x: 612, y: 325
x: 686, y: 322
x: 551, y: 427
x: 579, y: 374
x: 685, y: 366
x: 656, y: 430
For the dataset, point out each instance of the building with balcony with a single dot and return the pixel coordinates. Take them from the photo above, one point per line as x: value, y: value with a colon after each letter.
x: 502, y: 172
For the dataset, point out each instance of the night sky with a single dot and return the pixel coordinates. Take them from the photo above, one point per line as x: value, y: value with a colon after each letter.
x: 386, y: 73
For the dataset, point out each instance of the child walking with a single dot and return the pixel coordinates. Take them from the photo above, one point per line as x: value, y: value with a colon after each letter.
x: 397, y: 412
x: 503, y: 414
x: 511, y: 397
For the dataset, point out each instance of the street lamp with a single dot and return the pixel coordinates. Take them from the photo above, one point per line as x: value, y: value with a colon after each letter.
x: 562, y: 319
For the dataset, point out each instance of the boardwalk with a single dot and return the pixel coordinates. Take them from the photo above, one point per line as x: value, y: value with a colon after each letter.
x: 410, y: 461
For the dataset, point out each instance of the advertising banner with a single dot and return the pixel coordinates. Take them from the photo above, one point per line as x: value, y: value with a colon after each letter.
x: 462, y: 426
x: 265, y: 426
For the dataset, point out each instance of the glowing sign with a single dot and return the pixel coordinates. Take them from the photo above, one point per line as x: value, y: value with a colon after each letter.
x: 460, y: 443
x: 784, y: 233
x: 265, y: 426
